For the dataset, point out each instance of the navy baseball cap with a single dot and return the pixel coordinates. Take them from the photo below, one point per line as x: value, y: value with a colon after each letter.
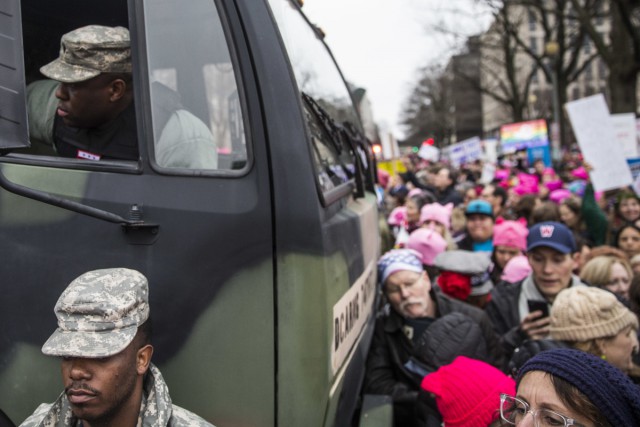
x: 480, y: 207
x: 552, y: 235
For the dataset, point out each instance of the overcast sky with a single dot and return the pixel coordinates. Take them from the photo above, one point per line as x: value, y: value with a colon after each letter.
x: 381, y: 44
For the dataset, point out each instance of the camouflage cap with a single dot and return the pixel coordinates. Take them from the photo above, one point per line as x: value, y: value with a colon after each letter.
x: 99, y: 314
x: 88, y: 51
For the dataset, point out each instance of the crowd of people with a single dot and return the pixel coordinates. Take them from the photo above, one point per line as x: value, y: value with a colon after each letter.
x: 507, y: 299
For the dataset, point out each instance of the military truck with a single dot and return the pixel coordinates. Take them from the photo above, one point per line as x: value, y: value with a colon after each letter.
x: 261, y: 270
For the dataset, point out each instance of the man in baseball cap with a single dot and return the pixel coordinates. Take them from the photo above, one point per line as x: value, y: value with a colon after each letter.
x: 86, y: 110
x: 104, y: 340
x: 520, y: 311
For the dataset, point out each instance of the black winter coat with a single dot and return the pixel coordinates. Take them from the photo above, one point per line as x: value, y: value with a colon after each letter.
x: 504, y: 315
x: 390, y: 350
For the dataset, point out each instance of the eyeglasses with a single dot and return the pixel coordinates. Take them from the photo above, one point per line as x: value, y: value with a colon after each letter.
x: 407, y: 286
x: 514, y: 411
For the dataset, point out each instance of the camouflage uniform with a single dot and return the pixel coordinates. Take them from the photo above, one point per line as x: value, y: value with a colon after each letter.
x: 156, y: 409
x: 98, y: 316
x: 183, y: 140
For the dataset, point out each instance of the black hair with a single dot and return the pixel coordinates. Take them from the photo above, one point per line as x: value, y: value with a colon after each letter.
x: 498, y: 191
x: 624, y: 227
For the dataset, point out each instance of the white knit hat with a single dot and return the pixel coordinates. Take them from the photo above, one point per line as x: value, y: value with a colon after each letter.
x: 583, y: 313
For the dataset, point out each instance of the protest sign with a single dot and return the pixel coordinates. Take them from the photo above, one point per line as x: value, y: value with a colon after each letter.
x: 593, y: 128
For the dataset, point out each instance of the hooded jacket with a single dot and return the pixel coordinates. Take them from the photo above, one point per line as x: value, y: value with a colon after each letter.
x: 156, y: 409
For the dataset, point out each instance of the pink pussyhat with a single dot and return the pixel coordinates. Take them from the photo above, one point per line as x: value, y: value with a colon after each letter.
x: 467, y: 392
x: 554, y: 185
x: 549, y: 171
x: 397, y: 216
x: 580, y: 173
x: 429, y: 243
x: 511, y: 233
x: 517, y: 268
x: 437, y: 212
x: 501, y: 174
x: 557, y: 196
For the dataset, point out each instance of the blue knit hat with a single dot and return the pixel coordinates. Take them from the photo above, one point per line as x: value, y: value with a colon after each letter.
x: 608, y: 388
x: 397, y: 260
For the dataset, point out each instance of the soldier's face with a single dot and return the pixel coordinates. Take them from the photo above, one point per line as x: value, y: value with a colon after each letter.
x: 87, y: 104
x: 103, y: 389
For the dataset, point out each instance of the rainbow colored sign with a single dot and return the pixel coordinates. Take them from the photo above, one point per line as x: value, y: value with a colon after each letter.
x: 518, y: 136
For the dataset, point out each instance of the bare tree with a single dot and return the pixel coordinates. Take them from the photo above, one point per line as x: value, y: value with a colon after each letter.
x: 426, y: 113
x: 621, y: 53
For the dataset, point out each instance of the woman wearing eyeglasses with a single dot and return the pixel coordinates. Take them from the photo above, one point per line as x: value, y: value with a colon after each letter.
x: 568, y: 387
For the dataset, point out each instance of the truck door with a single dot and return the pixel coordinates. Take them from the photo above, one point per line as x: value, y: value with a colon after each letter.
x: 196, y: 220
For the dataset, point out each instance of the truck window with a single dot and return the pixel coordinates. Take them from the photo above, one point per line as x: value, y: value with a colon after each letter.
x: 193, y: 88
x: 326, y: 98
x: 195, y: 104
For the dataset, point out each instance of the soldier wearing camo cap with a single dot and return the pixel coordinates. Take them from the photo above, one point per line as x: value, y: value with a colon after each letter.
x: 103, y: 338
x: 86, y: 109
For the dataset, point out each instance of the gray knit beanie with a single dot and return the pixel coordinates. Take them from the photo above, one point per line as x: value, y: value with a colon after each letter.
x: 583, y: 313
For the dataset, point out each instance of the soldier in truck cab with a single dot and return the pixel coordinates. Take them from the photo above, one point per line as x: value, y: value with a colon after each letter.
x: 87, y: 109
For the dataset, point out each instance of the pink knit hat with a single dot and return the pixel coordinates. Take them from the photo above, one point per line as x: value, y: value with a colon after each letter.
x: 397, y: 216
x: 428, y: 243
x: 554, y: 185
x: 517, y: 268
x: 468, y: 392
x: 511, y: 233
x: 580, y: 173
x: 557, y: 196
x: 437, y: 212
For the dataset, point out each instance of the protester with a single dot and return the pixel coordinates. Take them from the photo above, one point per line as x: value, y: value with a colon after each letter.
x: 608, y: 272
x: 568, y: 387
x: 438, y: 217
x: 429, y: 244
x: 479, y: 229
x: 628, y: 239
x: 467, y: 393
x: 496, y: 196
x: 444, y: 183
x: 551, y: 251
x: 509, y: 240
x: 593, y: 320
x: 464, y: 275
x: 415, y: 305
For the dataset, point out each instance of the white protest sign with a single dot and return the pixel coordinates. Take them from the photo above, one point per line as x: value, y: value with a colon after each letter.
x: 488, y: 173
x: 465, y: 151
x: 429, y: 152
x: 593, y: 128
x: 490, y: 150
x: 624, y: 126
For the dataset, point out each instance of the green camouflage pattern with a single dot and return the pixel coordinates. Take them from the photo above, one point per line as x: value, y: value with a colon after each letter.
x: 88, y: 51
x: 99, y: 314
x: 156, y: 409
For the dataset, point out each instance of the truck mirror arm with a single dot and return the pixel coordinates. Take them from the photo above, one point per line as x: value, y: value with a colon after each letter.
x: 50, y: 199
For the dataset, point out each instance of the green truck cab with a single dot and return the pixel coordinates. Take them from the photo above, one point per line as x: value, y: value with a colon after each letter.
x: 261, y: 269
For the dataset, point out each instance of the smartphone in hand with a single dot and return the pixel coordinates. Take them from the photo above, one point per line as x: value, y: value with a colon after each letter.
x: 535, y: 305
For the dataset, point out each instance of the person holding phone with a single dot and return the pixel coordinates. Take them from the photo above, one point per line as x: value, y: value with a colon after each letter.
x: 520, y: 311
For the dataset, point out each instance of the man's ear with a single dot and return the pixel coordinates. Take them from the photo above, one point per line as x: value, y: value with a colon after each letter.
x: 143, y: 359
x: 575, y: 257
x: 117, y: 89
